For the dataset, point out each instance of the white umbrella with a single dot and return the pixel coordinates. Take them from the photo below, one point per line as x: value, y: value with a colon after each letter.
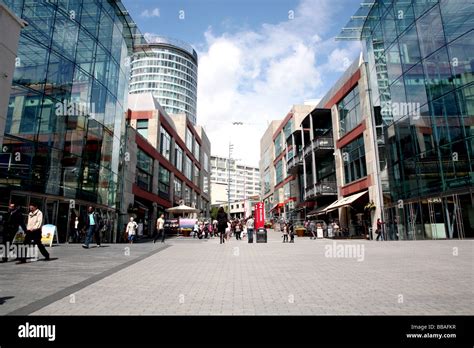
x: 182, y: 209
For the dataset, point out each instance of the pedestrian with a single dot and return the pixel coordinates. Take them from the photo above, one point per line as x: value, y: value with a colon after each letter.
x: 312, y: 228
x: 160, y: 228
x: 238, y: 230
x: 33, y: 231
x: 291, y: 232
x: 13, y: 221
x: 132, y: 228
x: 76, y: 237
x: 92, y: 224
x: 250, y: 227
x: 222, y: 222
x: 379, y: 231
x: 285, y: 233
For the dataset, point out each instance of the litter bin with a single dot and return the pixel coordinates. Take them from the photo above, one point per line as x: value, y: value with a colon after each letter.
x: 261, y: 235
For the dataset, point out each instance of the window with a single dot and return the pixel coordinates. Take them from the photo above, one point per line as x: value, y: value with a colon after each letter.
x: 196, y: 176
x: 279, y: 172
x: 165, y: 143
x: 142, y: 128
x: 353, y: 156
x: 144, y: 173
x: 188, y: 169
x: 206, y: 162
x: 178, y: 185
x: 266, y: 181
x: 178, y: 158
x: 196, y: 150
x: 349, y: 112
x: 205, y: 186
x: 187, y: 195
x: 278, y: 145
x: 288, y: 128
x: 189, y: 139
x: 164, y: 183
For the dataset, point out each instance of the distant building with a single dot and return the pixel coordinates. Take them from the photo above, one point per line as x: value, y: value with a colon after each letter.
x: 244, y: 180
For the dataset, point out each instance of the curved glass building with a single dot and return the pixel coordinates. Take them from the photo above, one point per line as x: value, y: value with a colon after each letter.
x: 420, y: 58
x: 65, y: 121
x: 168, y: 69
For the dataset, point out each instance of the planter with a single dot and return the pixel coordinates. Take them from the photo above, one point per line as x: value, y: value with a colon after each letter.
x: 186, y: 232
x: 300, y: 232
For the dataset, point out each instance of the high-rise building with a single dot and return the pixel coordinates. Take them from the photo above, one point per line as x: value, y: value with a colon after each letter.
x: 244, y: 180
x: 65, y: 119
x: 167, y: 68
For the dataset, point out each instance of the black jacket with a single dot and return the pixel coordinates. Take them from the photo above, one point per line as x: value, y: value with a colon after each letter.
x: 222, y: 219
x: 13, y: 220
x: 96, y: 219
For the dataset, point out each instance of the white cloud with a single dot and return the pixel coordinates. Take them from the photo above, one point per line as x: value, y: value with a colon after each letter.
x: 255, y: 76
x: 151, y: 13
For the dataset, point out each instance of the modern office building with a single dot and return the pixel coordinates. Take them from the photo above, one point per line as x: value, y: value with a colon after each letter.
x: 168, y: 68
x: 65, y: 120
x: 10, y: 26
x: 168, y: 162
x: 244, y: 180
x: 286, y: 190
x: 420, y: 58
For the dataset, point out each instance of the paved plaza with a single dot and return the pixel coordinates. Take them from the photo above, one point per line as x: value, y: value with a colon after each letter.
x: 201, y: 277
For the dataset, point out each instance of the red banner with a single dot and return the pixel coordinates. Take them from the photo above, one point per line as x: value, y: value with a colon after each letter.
x: 259, y: 215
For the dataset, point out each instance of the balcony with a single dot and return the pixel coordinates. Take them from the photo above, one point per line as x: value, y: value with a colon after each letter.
x: 322, y: 188
x: 320, y: 146
x: 294, y: 163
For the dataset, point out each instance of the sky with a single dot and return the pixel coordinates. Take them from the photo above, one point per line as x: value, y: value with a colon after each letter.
x: 257, y: 58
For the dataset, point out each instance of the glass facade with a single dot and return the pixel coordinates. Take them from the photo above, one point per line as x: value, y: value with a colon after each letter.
x: 67, y: 100
x: 165, y: 144
x: 353, y: 155
x: 170, y: 73
x: 349, y: 111
x: 420, y: 58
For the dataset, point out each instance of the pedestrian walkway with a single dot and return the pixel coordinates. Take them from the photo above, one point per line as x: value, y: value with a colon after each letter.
x: 322, y: 277
x: 27, y: 287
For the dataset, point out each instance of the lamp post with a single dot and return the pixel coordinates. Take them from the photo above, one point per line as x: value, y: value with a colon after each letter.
x: 231, y: 147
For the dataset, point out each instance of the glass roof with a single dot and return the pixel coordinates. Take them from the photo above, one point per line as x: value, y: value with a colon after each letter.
x: 353, y: 29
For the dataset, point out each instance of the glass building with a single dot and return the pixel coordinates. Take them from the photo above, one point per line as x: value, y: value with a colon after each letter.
x: 168, y: 69
x: 420, y: 58
x: 65, y: 120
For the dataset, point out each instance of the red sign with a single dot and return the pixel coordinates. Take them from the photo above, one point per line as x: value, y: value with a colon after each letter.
x: 259, y: 215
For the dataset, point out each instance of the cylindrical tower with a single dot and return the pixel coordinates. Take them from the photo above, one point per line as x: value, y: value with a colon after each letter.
x: 167, y: 68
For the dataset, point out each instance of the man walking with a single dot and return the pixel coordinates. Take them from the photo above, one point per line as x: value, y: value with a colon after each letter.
x: 250, y: 227
x: 92, y: 227
x: 160, y: 226
x: 132, y: 227
x: 379, y: 230
x: 13, y: 220
x: 33, y: 231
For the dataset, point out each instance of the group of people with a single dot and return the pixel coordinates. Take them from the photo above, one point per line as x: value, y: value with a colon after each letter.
x: 14, y: 220
x: 287, y: 229
x: 226, y: 227
x: 131, y: 230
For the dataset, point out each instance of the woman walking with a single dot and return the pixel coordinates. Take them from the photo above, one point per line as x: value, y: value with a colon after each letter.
x: 285, y: 233
x: 221, y: 223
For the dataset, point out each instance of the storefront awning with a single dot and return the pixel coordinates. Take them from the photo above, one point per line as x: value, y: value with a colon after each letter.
x: 278, y: 205
x: 318, y: 211
x: 344, y: 201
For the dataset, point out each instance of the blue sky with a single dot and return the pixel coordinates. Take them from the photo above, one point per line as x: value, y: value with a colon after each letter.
x: 256, y: 58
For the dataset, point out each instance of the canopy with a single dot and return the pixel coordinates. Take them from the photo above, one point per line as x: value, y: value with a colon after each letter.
x: 318, y: 211
x: 182, y: 209
x: 344, y: 201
